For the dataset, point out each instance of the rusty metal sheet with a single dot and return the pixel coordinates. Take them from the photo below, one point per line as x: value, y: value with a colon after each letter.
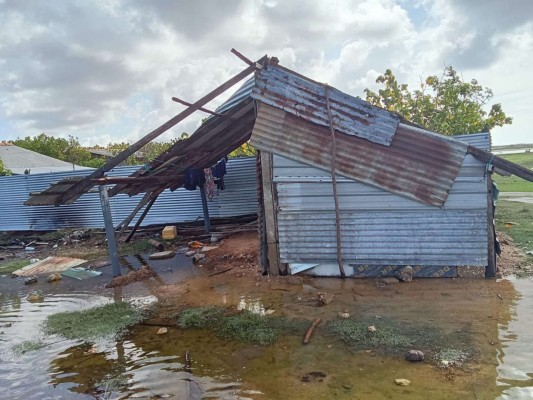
x: 49, y: 265
x: 419, y: 165
x: 305, y: 98
x: 212, y: 141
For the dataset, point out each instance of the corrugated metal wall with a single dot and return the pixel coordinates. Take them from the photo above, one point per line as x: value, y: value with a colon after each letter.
x: 378, y: 228
x: 239, y: 198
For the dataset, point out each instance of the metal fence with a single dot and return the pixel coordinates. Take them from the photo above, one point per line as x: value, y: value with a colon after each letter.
x: 238, y: 198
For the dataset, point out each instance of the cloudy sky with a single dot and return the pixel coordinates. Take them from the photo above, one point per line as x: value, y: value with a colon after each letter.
x: 105, y: 70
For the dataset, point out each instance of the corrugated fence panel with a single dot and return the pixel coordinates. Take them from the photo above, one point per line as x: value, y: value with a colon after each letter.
x: 171, y: 207
x: 378, y: 228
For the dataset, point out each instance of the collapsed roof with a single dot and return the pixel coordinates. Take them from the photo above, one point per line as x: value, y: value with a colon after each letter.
x: 283, y: 112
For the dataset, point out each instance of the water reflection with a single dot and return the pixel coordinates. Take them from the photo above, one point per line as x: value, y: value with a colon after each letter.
x: 515, y: 369
x: 492, y: 316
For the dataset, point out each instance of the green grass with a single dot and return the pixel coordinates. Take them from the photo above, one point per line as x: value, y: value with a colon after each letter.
x: 109, y: 321
x: 8, y: 267
x: 521, y: 215
x: 243, y: 326
x: 28, y: 346
x: 513, y: 183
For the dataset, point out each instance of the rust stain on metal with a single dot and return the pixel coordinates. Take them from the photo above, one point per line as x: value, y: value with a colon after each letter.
x: 49, y: 265
x: 417, y: 165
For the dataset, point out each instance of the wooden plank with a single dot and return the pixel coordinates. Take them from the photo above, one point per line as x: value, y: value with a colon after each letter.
x: 125, y: 223
x: 270, y: 213
x: 490, y: 272
x: 83, y: 186
x: 501, y: 163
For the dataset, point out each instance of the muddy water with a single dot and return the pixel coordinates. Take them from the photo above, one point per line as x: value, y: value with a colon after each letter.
x: 490, y: 317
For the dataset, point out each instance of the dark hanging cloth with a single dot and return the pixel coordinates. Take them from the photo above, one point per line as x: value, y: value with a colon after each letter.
x: 196, y: 177
x: 193, y: 178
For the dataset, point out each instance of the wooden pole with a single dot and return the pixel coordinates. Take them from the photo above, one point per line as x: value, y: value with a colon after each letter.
x: 141, y: 218
x: 487, y: 157
x: 490, y: 272
x: 334, y: 180
x: 205, y: 209
x: 87, y: 183
x: 109, y: 230
x: 124, y: 224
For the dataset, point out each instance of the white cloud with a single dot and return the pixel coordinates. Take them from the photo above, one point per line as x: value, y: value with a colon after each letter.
x: 106, y: 70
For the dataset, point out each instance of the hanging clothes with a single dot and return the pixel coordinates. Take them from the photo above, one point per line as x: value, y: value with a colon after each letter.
x: 209, y: 183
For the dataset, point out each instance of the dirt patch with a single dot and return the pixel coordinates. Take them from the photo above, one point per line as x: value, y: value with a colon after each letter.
x: 512, y: 259
x: 237, y: 255
x: 141, y: 274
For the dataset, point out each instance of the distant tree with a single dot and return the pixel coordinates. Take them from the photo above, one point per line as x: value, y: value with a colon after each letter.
x: 447, y: 105
x: 3, y: 170
x: 244, y: 150
x: 68, y: 150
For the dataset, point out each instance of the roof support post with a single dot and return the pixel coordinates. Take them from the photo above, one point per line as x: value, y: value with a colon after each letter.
x: 490, y: 271
x: 205, y: 209
x: 109, y: 230
x: 334, y: 180
x: 153, y: 196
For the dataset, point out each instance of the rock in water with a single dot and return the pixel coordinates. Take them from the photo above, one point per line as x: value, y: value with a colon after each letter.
x: 414, y: 355
x: 162, y: 331
x: 54, y: 277
x: 405, y: 274
x: 402, y: 382
x: 324, y: 298
x: 30, y: 280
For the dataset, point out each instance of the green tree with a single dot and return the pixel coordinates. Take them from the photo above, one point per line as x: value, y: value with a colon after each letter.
x: 68, y: 150
x: 3, y: 170
x: 244, y: 150
x: 448, y: 105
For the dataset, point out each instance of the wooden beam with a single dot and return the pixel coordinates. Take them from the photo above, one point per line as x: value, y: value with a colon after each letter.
x: 186, y: 103
x: 124, y: 224
x: 501, y: 163
x: 129, y: 180
x: 84, y: 185
x: 154, y: 196
x: 333, y: 150
x: 490, y: 272
x: 270, y: 214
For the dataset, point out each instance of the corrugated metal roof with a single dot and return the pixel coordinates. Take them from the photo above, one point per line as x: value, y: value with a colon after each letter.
x: 18, y: 160
x: 419, y: 165
x: 481, y: 140
x: 305, y: 98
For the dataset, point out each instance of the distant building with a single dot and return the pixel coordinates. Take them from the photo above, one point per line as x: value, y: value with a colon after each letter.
x: 22, y: 161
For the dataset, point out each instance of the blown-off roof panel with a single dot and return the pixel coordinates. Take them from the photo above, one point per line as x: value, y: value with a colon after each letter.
x: 306, y: 99
x: 418, y: 164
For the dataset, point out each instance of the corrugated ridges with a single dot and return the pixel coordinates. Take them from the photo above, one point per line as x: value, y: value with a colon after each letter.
x: 239, y: 198
x: 306, y: 99
x: 417, y: 165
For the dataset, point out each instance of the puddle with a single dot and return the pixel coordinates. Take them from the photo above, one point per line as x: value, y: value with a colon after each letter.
x: 489, y: 317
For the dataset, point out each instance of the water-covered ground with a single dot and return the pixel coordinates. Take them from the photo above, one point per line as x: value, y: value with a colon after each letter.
x: 488, y: 319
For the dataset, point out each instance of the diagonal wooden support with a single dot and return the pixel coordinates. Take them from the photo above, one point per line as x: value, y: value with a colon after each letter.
x: 87, y: 183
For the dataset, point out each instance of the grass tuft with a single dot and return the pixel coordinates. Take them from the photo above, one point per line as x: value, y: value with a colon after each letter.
x: 389, y: 335
x: 28, y: 346
x: 108, y: 321
x: 8, y: 267
x: 244, y: 326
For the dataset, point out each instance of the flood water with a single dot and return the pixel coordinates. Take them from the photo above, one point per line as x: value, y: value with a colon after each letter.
x: 493, y: 317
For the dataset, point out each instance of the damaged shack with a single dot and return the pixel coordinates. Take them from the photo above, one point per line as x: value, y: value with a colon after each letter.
x: 344, y: 188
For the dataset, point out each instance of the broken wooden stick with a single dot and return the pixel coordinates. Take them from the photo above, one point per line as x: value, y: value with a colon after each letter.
x: 310, y: 330
x: 187, y: 361
x: 220, y: 272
